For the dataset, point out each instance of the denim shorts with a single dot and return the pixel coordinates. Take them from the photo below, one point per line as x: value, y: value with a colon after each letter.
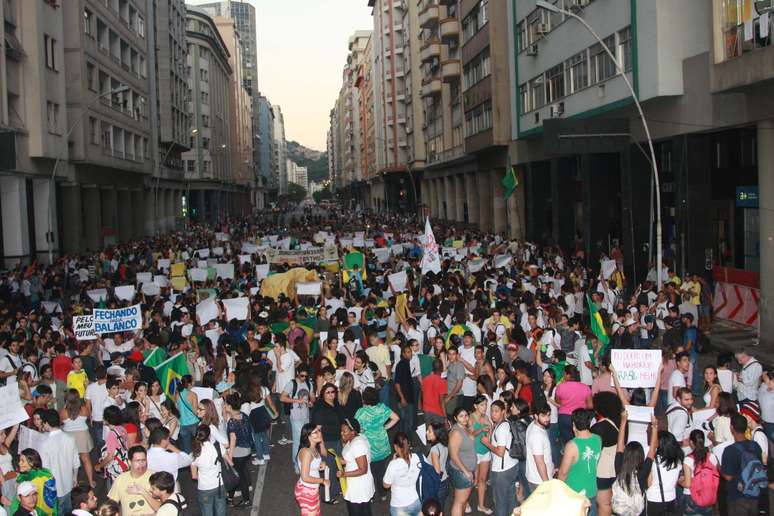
x: 458, y: 479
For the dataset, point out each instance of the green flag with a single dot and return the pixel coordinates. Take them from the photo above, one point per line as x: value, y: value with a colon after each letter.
x: 171, y: 371
x: 510, y: 182
x: 154, y: 358
x: 597, y: 326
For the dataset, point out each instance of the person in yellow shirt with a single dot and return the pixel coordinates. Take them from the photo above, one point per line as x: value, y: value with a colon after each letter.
x: 693, y: 288
x: 77, y: 378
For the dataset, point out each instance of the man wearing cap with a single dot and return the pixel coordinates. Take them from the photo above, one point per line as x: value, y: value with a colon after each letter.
x: 28, y: 499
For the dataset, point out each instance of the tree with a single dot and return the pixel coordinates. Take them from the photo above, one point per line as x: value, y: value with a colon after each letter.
x: 322, y: 195
x: 296, y: 192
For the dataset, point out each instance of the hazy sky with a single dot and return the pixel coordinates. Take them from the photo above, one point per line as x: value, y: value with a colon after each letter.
x: 302, y: 49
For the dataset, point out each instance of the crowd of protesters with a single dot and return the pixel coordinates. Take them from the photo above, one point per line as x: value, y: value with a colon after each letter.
x: 467, y: 390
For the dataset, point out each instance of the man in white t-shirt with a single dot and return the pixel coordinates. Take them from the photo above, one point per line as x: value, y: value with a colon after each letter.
x: 677, y: 378
x: 467, y: 354
x: 583, y: 355
x: 540, y: 465
x: 97, y: 397
x: 503, y: 469
x: 679, y: 420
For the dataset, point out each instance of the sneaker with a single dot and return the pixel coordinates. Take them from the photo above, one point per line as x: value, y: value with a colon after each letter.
x: 259, y: 462
x: 256, y: 461
x: 283, y: 442
x: 266, y: 457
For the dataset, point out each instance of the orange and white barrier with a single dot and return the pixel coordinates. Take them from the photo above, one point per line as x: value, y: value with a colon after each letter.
x: 738, y: 303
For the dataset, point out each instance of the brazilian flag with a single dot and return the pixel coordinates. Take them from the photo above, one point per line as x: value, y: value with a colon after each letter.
x: 46, y: 485
x: 307, y: 325
x: 457, y: 329
x: 597, y: 326
x: 171, y: 371
x: 350, y: 261
x: 154, y: 358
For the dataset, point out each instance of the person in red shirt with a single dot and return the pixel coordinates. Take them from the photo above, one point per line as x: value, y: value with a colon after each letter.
x: 61, y: 366
x: 434, y: 391
x: 525, y: 384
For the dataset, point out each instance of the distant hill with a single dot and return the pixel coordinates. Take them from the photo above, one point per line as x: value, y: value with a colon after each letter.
x: 316, y: 162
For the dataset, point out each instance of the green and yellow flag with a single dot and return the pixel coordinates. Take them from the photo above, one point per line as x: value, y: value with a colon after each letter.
x: 350, y: 261
x: 154, y: 358
x: 510, y: 181
x: 597, y: 326
x: 171, y: 371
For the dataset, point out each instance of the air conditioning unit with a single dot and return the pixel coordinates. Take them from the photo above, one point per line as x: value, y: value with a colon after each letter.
x: 532, y: 50
x: 557, y: 109
x: 542, y: 28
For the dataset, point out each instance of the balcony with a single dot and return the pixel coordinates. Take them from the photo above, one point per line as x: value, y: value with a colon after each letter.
x: 432, y: 88
x: 429, y: 17
x: 450, y: 29
x: 429, y: 51
x: 450, y: 70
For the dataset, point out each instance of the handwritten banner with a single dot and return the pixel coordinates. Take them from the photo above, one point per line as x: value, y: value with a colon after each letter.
x: 83, y: 326
x: 121, y: 319
x: 302, y: 256
x: 636, y: 367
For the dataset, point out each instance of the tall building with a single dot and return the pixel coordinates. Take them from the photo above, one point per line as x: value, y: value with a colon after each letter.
x: 209, y: 162
x: 266, y: 155
x: 297, y: 174
x: 241, y: 129
x: 280, y: 150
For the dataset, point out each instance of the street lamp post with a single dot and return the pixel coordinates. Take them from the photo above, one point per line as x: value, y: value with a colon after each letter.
x: 52, y: 181
x: 553, y: 8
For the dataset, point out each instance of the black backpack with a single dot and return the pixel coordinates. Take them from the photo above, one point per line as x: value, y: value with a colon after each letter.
x: 260, y: 420
x: 518, y: 447
x: 287, y: 406
x: 181, y: 506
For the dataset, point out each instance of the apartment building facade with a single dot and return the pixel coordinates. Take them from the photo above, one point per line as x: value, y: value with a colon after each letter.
x: 280, y: 150
x: 265, y: 143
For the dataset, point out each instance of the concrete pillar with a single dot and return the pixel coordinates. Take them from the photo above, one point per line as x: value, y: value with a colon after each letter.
x: 92, y: 217
x: 200, y: 205
x: 484, y: 192
x: 72, y: 223
x: 16, y: 229
x: 151, y: 218
x: 125, y: 214
x: 177, y: 206
x: 459, y: 198
x: 46, y: 234
x: 433, y: 194
x: 448, y: 199
x: 110, y: 215
x: 168, y: 211
x: 516, y: 208
x: 766, y: 228
x: 473, y: 198
x: 500, y: 223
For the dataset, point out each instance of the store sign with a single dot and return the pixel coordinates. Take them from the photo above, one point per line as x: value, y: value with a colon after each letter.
x: 746, y: 196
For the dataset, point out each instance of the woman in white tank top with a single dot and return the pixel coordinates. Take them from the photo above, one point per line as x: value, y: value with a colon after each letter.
x: 310, y: 465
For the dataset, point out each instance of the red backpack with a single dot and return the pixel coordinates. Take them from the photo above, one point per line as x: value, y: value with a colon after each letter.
x: 705, y: 482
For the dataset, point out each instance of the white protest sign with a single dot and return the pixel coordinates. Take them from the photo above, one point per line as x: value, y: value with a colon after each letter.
x: 236, y: 308
x: 151, y: 289
x: 284, y: 244
x: 398, y: 281
x: 607, y: 268
x: 397, y: 249
x: 221, y: 237
x: 369, y: 243
x: 97, y: 295
x: 197, y: 274
x: 448, y: 251
x: 262, y: 271
x: 245, y: 258
x: 83, y: 327
x: 144, y: 277
x: 726, y: 379
x: 358, y: 242
x: 502, y: 260
x: 382, y: 254
x: 636, y: 367
x: 207, y: 310
x: 125, y: 292
x: 217, y: 251
x: 249, y: 248
x: 203, y: 253
x: 29, y: 438
x: 225, y: 270
x: 11, y: 409
x: 164, y: 263
x: 119, y: 320
x: 476, y: 265
x: 345, y: 242
x: 203, y: 393
x: 254, y: 290
x: 51, y: 307
x: 639, y: 414
x: 202, y: 264
x: 310, y: 288
x: 161, y: 280
x: 185, y: 255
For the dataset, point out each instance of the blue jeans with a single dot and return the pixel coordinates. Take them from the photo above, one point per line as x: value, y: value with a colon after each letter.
x: 555, y: 440
x: 97, y: 428
x: 65, y: 504
x: 408, y: 416
x: 185, y: 438
x: 409, y: 510
x: 443, y: 492
x: 565, y: 429
x: 697, y: 385
x: 261, y: 440
x: 521, y: 478
x: 295, y: 426
x: 593, y: 509
x: 692, y: 508
x: 504, y: 490
x: 384, y: 393
x: 212, y: 502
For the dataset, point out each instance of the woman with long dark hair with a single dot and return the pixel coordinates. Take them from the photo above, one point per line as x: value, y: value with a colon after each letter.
x: 462, y: 460
x: 549, y: 390
x: 608, y: 408
x: 240, y: 435
x: 438, y: 439
x: 31, y: 470
x: 401, y: 478
x: 699, y: 456
x: 712, y: 388
x: 205, y: 469
x: 311, y: 451
x: 187, y: 403
x: 662, y: 485
x: 75, y: 415
x: 632, y: 469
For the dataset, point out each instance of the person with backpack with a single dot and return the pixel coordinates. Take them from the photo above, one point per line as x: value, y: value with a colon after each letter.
x: 662, y: 495
x: 751, y: 410
x: 701, y: 478
x: 162, y: 486
x: 632, y: 469
x: 519, y: 421
x: 438, y: 439
x: 401, y: 478
x: 743, y: 470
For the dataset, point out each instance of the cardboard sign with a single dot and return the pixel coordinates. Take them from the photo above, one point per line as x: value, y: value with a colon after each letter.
x: 177, y: 269
x: 29, y: 438
x: 636, y: 367
x: 398, y: 281
x: 151, y: 289
x: 163, y: 263
x: 144, y: 277
x: 238, y: 308
x: 207, y: 310
x: 261, y: 271
x: 11, y: 409
x: 125, y: 292
x: 311, y: 288
x: 225, y: 270
x: 97, y: 295
x: 119, y: 320
x: 639, y: 414
x: 83, y: 326
x: 198, y: 274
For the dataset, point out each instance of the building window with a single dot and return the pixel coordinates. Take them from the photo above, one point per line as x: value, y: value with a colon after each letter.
x: 146, y: 148
x: 206, y: 165
x: 93, y: 130
x: 537, y: 96
x: 205, y: 121
x: 521, y: 34
x: 52, y: 117
x: 141, y: 26
x: 204, y: 75
x: 602, y: 65
x: 91, y: 77
x: 205, y: 97
x: 524, y: 98
x: 625, y: 48
x: 578, y: 71
x: 476, y: 70
x: 475, y: 21
x: 743, y: 30
x: 107, y: 136
x: 478, y: 119
x: 49, y: 44
x: 88, y: 23
x: 555, y: 82
x: 191, y: 165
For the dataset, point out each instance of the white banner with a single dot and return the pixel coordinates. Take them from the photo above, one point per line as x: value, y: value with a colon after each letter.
x: 97, y: 295
x: 225, y: 270
x: 121, y: 319
x: 236, y: 308
x: 398, y: 281
x: 430, y: 259
x: 125, y: 292
x: 83, y: 327
x: 11, y: 409
x: 636, y: 367
x: 311, y: 288
x: 207, y: 310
